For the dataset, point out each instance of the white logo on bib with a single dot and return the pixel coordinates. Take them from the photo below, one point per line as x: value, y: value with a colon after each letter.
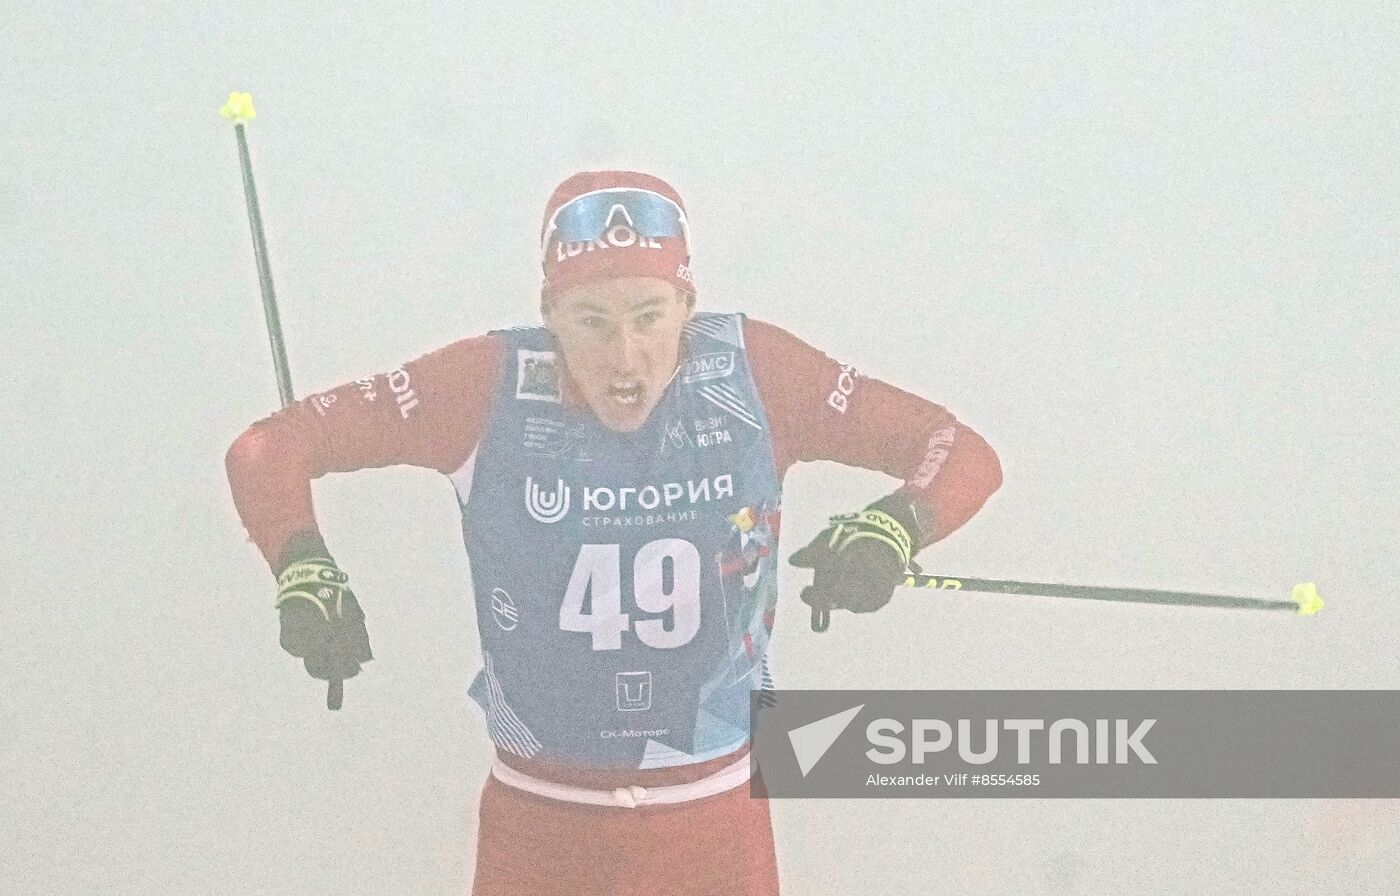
x: 546, y: 506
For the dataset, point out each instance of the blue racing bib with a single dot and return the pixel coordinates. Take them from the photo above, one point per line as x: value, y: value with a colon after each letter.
x: 625, y: 582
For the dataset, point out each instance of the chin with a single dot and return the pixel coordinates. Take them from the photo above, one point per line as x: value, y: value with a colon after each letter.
x: 621, y: 421
x: 631, y: 423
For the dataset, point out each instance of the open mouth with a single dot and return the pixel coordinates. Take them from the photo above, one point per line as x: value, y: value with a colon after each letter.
x: 625, y: 392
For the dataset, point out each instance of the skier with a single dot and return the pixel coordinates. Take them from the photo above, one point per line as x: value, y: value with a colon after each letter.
x: 619, y: 472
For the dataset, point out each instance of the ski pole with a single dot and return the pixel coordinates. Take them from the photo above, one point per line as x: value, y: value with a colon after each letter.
x: 1304, y: 599
x: 239, y: 110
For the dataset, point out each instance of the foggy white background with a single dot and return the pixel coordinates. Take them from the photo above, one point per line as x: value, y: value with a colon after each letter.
x: 1150, y: 254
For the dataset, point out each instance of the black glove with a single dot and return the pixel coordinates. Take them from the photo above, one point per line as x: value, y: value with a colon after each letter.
x: 321, y: 621
x: 858, y: 560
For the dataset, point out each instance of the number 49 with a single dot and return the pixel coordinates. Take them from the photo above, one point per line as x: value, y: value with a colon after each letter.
x: 600, y: 565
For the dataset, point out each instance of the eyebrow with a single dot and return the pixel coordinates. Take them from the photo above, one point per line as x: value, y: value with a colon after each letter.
x: 598, y: 309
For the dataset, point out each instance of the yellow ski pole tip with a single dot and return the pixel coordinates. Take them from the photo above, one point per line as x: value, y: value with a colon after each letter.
x: 239, y: 108
x: 1306, y: 597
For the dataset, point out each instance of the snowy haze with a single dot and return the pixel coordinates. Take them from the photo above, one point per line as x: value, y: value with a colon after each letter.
x: 1149, y: 254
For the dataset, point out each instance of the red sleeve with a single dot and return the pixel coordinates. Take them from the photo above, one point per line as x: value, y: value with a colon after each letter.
x: 820, y: 409
x: 428, y: 413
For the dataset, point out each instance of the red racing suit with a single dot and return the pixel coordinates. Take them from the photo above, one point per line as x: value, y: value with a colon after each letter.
x: 432, y: 412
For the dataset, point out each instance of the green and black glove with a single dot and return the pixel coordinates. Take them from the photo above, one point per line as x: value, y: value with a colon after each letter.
x: 322, y: 623
x: 859, y: 559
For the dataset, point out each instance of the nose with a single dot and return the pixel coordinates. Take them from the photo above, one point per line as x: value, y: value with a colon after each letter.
x: 628, y: 353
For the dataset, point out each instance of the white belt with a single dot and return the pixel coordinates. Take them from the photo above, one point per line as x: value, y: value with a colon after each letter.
x: 631, y: 796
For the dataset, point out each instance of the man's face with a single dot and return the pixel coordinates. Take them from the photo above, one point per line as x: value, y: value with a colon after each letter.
x: 621, y: 341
